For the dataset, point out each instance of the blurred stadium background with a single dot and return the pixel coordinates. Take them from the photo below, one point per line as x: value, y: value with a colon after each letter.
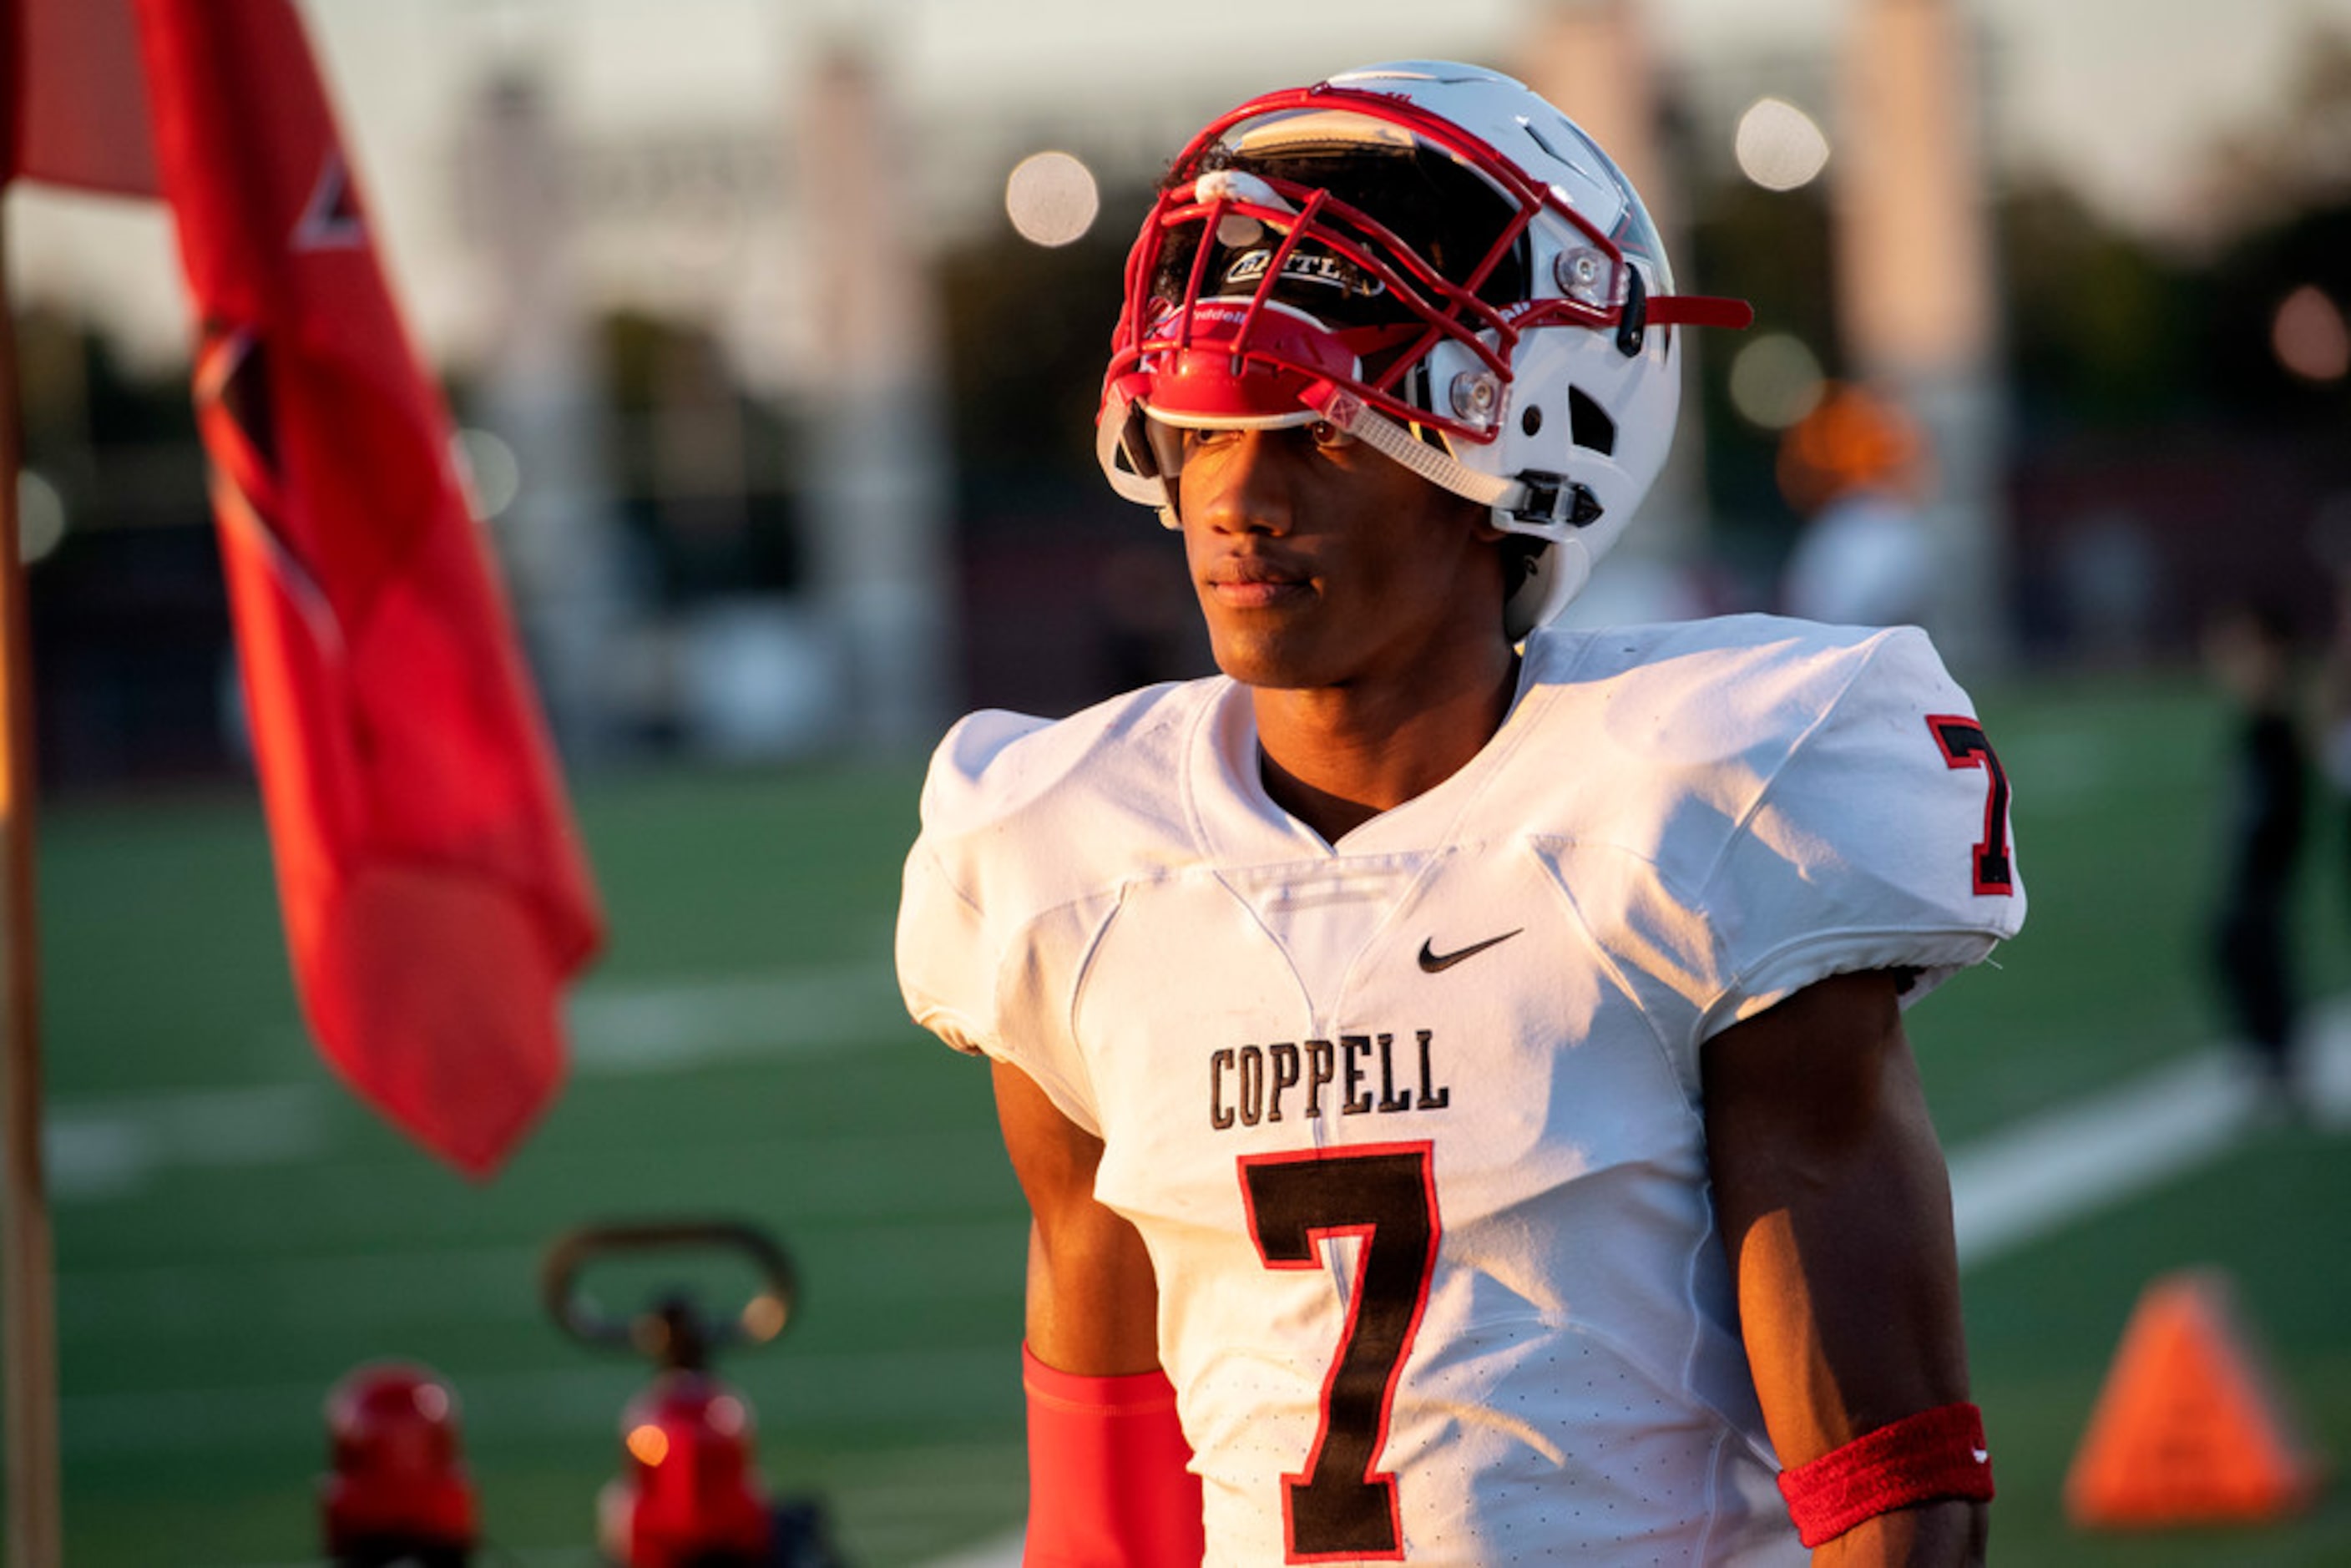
x: 779, y: 415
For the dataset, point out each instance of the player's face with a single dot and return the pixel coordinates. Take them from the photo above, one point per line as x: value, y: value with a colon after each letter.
x: 1321, y: 563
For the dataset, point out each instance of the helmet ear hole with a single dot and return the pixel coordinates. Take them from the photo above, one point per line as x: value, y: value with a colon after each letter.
x: 1589, y: 425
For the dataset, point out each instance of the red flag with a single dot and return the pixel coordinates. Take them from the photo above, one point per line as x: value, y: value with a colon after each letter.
x: 73, y: 90
x: 434, y: 890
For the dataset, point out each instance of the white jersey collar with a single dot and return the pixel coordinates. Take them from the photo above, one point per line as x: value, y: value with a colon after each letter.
x: 1240, y: 824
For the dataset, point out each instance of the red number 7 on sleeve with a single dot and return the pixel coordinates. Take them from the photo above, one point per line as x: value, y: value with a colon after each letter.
x: 1964, y: 745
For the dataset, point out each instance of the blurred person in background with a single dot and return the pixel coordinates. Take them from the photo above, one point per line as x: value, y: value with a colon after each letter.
x: 2332, y: 542
x: 2249, y: 650
x: 1456, y: 1066
x: 1864, y: 558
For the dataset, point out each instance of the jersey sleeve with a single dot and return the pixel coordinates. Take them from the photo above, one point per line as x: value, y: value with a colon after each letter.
x: 946, y: 963
x: 1881, y: 841
x: 977, y: 965
x: 948, y: 957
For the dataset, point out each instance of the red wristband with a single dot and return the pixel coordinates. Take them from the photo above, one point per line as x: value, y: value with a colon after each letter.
x: 1109, y: 1485
x: 1936, y: 1454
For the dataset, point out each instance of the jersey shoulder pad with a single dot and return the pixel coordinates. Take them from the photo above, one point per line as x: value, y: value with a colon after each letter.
x: 1747, y: 670
x: 1670, y: 733
x: 1027, y: 824
x: 1879, y: 835
x: 1028, y: 812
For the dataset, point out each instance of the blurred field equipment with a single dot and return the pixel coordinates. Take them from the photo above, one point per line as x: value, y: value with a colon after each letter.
x: 398, y: 1491
x: 689, y: 1495
x: 2190, y: 1427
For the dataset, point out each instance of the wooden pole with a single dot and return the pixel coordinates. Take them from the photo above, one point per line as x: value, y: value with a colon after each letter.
x: 27, y: 1283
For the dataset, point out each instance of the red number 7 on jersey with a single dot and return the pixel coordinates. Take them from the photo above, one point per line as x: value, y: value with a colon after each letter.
x: 1384, y: 1195
x: 1964, y: 745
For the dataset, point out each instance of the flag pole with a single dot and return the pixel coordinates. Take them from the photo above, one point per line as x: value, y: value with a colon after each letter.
x: 27, y: 1275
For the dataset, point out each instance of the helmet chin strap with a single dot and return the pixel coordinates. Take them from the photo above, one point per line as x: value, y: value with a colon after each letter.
x: 1394, y: 441
x: 1535, y: 499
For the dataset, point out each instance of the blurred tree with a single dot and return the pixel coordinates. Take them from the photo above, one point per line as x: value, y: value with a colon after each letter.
x: 2110, y: 330
x: 1770, y: 248
x: 2102, y: 328
x: 1029, y: 331
x: 2153, y: 404
x: 2299, y: 156
x: 130, y: 619
x: 2249, y: 281
x: 1069, y: 593
x: 703, y: 471
x: 2280, y: 192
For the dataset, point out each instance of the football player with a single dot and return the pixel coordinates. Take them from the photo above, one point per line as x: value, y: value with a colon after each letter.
x: 1456, y: 1067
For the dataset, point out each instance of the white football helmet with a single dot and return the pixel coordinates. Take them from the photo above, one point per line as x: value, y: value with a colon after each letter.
x: 1434, y: 259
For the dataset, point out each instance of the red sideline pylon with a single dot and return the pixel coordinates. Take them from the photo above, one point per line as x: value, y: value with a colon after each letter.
x: 2189, y: 1428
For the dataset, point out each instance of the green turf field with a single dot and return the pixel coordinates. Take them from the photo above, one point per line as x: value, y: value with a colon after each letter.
x: 234, y: 1232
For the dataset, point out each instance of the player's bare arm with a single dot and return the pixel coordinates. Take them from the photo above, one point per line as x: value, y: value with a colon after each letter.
x: 1108, y: 1477
x: 1092, y: 1303
x: 1835, y: 1207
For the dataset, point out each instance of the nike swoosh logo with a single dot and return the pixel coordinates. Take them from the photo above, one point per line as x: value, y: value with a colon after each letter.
x: 1432, y: 962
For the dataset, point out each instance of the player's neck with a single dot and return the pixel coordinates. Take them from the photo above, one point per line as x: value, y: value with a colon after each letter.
x: 1334, y: 758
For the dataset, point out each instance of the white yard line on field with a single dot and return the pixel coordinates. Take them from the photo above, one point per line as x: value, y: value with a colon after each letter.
x: 1004, y: 1553
x: 107, y: 1147
x: 103, y: 1148
x: 662, y: 1028
x: 2025, y: 1181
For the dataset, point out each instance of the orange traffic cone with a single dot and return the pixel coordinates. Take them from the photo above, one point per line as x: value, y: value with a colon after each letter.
x: 2189, y: 1427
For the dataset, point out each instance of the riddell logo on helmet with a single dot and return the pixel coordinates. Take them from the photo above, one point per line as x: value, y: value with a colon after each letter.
x: 1206, y: 318
x: 1306, y: 266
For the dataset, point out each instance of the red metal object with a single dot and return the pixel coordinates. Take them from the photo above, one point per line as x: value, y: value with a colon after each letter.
x: 689, y: 1496
x: 397, y: 1489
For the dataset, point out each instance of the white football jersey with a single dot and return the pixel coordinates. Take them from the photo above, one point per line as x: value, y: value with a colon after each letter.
x: 1411, y: 1123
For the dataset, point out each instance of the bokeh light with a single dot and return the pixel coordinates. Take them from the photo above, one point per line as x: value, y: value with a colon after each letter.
x: 1851, y: 439
x: 1775, y: 382
x: 490, y: 471
x: 1778, y: 146
x: 1051, y: 199
x: 40, y: 517
x: 649, y: 1443
x: 2310, y: 337
x: 764, y: 1319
